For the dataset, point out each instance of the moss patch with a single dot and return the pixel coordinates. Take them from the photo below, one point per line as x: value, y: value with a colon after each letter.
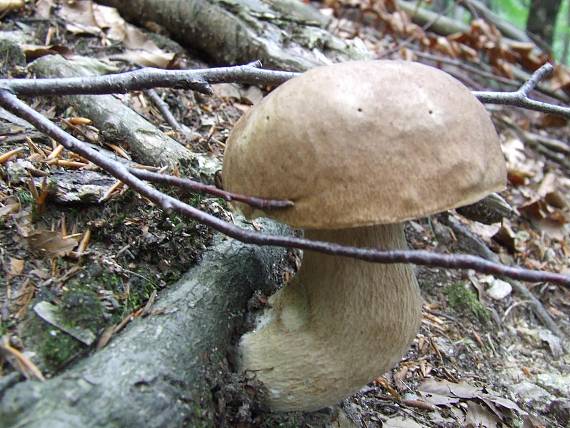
x: 81, y: 307
x: 462, y: 299
x: 54, y: 348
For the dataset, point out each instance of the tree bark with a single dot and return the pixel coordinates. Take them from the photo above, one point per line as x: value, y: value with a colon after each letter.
x: 542, y: 19
x: 161, y: 370
x: 285, y: 34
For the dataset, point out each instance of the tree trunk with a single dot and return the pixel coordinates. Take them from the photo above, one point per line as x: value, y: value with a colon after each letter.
x: 161, y: 371
x: 284, y: 34
x: 541, y: 19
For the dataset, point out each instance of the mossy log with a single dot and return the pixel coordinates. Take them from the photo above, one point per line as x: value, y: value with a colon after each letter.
x: 161, y: 370
x: 283, y: 34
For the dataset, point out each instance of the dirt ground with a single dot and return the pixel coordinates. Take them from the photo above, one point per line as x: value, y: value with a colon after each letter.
x: 74, y: 269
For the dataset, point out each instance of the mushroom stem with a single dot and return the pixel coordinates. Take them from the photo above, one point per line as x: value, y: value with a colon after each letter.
x: 338, y: 324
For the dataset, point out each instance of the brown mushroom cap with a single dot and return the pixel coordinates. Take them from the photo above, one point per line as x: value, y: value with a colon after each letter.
x: 363, y: 143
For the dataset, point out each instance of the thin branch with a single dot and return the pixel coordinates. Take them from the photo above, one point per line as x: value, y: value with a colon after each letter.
x: 520, y: 97
x: 147, y: 78
x: 167, y: 114
x: 195, y: 186
x: 11, y: 103
x: 478, y: 69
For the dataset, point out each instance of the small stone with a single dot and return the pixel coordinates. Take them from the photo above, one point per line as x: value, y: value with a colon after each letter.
x: 499, y: 289
x: 554, y: 382
x: 533, y: 395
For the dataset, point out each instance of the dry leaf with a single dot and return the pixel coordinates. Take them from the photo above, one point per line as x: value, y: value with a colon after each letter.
x: 43, y: 8
x: 51, y: 243
x: 19, y: 361
x: 36, y: 51
x: 79, y: 17
x: 400, y: 422
x: 479, y: 416
x: 77, y: 121
x: 9, y: 208
x: 146, y: 59
x: 443, y: 390
x: 560, y: 78
x: 16, y: 266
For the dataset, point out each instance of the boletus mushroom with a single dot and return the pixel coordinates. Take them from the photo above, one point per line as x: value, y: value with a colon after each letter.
x: 359, y: 147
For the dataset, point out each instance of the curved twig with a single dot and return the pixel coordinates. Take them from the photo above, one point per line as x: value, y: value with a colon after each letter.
x: 195, y: 186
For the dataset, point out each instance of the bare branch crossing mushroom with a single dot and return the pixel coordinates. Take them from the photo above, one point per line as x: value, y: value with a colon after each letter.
x: 359, y: 147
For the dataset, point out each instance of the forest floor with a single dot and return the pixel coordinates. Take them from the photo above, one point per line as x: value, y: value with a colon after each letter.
x: 74, y: 269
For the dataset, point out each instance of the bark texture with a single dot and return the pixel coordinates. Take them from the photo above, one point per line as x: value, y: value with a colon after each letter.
x: 159, y: 371
x: 542, y: 19
x: 286, y: 35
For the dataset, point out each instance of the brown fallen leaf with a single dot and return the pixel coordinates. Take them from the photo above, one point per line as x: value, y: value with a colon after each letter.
x: 33, y: 52
x: 12, y: 206
x: 448, y: 390
x: 78, y: 121
x: 16, y: 266
x: 23, y: 299
x: 79, y: 18
x: 51, y: 243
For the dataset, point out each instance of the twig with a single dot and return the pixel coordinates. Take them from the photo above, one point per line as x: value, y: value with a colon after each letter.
x: 11, y: 103
x: 555, y: 150
x: 195, y: 186
x: 147, y: 78
x: 470, y: 68
x: 168, y: 116
x: 520, y: 97
x: 551, y: 143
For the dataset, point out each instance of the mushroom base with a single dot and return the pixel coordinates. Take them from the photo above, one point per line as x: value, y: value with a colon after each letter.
x: 339, y: 324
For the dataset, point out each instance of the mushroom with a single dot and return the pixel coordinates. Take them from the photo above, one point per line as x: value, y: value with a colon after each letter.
x: 360, y: 147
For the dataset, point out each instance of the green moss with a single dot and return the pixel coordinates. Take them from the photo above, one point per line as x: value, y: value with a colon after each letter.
x: 141, y: 288
x: 200, y: 417
x: 80, y: 307
x: 25, y: 197
x: 54, y: 347
x: 58, y: 348
x: 195, y: 199
x: 461, y: 298
x: 3, y: 329
x: 111, y: 281
x: 223, y: 203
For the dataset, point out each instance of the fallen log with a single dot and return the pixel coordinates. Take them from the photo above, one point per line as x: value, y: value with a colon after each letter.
x: 162, y: 369
x: 287, y: 35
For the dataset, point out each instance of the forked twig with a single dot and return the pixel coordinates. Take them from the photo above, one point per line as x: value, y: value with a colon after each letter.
x: 520, y: 97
